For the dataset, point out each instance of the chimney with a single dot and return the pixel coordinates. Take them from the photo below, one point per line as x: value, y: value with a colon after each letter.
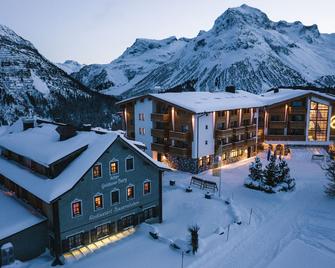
x: 231, y: 89
x: 28, y: 123
x: 66, y: 132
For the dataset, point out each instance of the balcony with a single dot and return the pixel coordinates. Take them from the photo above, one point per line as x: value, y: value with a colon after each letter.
x: 298, y: 124
x: 180, y: 136
x: 184, y: 152
x: 277, y: 124
x: 240, y: 130
x: 251, y: 128
x: 160, y: 117
x: 222, y: 133
x: 297, y: 110
x: 251, y: 141
x: 159, y: 133
x: 158, y: 147
x: 285, y: 137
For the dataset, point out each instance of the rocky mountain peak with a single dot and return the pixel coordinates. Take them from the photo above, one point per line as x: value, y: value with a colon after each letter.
x: 7, y: 34
x: 240, y: 16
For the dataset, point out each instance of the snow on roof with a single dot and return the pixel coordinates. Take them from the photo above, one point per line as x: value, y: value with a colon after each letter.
x: 49, y: 189
x: 44, y: 146
x: 15, y: 216
x: 200, y: 102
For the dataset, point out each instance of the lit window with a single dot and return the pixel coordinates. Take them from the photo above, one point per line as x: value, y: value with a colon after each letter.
x: 76, y: 208
x: 129, y: 163
x: 114, y: 167
x: 147, y: 187
x: 233, y: 153
x: 115, y: 197
x: 130, y: 192
x: 98, y: 202
x: 97, y: 171
x: 200, y: 162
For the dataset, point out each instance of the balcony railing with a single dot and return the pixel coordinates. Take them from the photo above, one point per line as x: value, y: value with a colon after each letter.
x: 222, y: 133
x: 297, y: 124
x: 185, y: 152
x: 160, y: 117
x: 163, y: 148
x: 180, y: 136
x: 285, y: 137
x: 277, y: 124
x: 160, y: 133
x: 297, y: 110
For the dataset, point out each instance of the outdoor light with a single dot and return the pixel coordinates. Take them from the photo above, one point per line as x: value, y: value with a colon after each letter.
x: 332, y: 122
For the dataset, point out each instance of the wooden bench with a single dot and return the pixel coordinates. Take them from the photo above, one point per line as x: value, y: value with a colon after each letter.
x: 210, y: 185
x: 197, y: 181
x: 318, y: 157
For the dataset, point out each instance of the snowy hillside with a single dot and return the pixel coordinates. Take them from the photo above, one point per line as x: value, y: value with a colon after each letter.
x: 30, y: 84
x: 70, y: 66
x: 244, y: 48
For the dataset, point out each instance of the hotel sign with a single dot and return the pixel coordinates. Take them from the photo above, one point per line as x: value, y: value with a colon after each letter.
x: 332, y: 122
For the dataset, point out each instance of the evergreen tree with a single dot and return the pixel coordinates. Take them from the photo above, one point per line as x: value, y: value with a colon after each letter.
x: 255, y: 169
x: 284, y: 172
x: 271, y: 172
x: 330, y: 173
x: 194, y: 242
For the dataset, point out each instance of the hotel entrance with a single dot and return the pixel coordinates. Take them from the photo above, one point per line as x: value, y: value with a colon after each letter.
x: 318, y: 122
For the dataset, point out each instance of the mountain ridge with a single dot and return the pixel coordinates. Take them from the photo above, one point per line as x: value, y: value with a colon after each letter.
x: 243, y: 48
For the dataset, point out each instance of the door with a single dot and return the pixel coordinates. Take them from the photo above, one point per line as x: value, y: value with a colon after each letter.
x: 249, y: 151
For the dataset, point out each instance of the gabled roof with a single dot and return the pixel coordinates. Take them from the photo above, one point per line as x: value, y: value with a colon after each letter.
x: 200, y: 102
x: 50, y: 189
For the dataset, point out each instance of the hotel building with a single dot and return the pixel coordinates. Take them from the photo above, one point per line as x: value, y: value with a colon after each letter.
x: 195, y: 131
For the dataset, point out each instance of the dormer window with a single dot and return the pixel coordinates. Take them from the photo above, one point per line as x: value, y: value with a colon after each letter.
x: 97, y: 171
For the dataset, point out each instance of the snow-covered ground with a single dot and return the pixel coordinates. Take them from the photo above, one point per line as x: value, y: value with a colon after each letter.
x: 287, y: 229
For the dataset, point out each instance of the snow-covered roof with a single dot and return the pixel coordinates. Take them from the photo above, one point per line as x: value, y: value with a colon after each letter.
x: 43, y: 144
x: 15, y: 216
x: 199, y: 102
x: 49, y: 189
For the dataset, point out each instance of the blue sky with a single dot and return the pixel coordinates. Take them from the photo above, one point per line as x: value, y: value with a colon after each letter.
x: 98, y: 31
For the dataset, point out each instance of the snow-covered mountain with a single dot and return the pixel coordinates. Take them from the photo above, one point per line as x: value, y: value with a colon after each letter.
x: 30, y: 84
x: 244, y: 48
x: 70, y: 66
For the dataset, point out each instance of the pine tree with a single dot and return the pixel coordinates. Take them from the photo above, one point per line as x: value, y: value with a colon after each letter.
x: 284, y: 172
x: 271, y: 172
x: 255, y: 169
x: 330, y: 173
x: 194, y: 242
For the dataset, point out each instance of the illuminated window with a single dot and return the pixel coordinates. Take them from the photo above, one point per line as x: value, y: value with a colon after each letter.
x: 318, y: 122
x: 98, y: 202
x: 224, y: 156
x: 233, y: 153
x: 200, y: 162
x: 129, y: 163
x: 76, y: 208
x: 75, y: 240
x: 130, y: 192
x: 114, y: 167
x: 102, y: 230
x: 115, y: 197
x: 147, y: 187
x: 97, y: 171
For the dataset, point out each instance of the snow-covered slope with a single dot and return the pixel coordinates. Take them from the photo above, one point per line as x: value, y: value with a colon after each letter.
x: 30, y: 84
x: 244, y: 48
x: 70, y: 66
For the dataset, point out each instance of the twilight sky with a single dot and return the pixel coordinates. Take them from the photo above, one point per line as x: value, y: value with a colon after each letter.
x: 98, y: 31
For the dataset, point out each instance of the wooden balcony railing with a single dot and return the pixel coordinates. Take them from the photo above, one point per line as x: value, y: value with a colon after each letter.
x: 180, y: 136
x: 297, y: 124
x: 162, y: 148
x: 285, y: 137
x: 184, y: 152
x: 222, y: 133
x: 297, y: 110
x: 277, y: 124
x: 159, y: 133
x: 160, y: 117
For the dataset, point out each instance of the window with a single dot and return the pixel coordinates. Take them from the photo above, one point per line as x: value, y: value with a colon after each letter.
x: 206, y: 142
x: 141, y: 131
x: 76, y: 208
x: 297, y: 104
x: 200, y: 162
x: 97, y: 171
x: 221, y: 126
x: 224, y: 156
x: 75, y: 241
x: 114, y: 167
x: 102, y: 230
x: 206, y: 127
x: 234, y: 112
x: 233, y: 153
x: 115, y: 197
x: 246, y: 122
x: 146, y: 187
x: 296, y: 132
x: 130, y: 192
x: 246, y: 111
x: 98, y: 202
x: 149, y: 213
x: 298, y: 117
x: 318, y: 122
x: 276, y: 131
x: 129, y: 163
x: 233, y: 124
x: 141, y: 116
x: 208, y: 161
